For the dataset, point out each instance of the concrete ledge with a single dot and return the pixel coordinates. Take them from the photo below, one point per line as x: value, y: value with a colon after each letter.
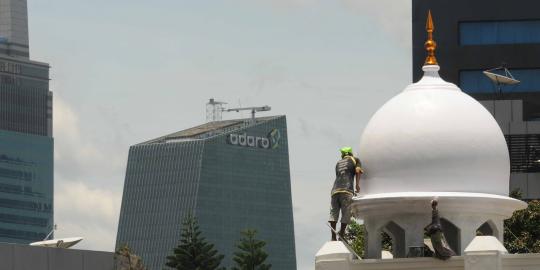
x: 508, y: 262
x: 529, y: 261
x: 24, y: 257
x: 454, y: 263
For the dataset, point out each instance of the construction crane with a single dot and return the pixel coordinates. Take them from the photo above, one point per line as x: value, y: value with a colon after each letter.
x: 253, y: 110
x: 215, y: 108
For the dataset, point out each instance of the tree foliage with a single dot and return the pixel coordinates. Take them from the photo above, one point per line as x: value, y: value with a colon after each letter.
x: 356, y: 237
x: 124, y: 259
x: 250, y: 254
x: 522, y: 230
x: 194, y: 252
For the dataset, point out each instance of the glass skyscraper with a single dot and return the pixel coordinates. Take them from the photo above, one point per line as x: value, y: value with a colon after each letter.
x: 26, y: 143
x: 232, y: 175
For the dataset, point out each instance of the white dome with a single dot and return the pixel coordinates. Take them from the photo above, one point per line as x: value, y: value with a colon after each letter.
x: 432, y: 137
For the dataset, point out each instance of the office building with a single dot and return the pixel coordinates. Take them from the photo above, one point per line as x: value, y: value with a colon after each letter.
x: 26, y: 142
x: 480, y: 35
x: 232, y: 175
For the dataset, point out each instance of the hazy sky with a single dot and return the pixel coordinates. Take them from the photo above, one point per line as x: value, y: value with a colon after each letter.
x: 127, y: 71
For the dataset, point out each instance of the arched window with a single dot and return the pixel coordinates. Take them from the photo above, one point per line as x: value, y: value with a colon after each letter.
x: 487, y: 228
x: 397, y: 236
x: 452, y: 235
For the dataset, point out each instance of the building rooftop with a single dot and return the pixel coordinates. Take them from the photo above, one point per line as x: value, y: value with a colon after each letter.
x: 208, y: 130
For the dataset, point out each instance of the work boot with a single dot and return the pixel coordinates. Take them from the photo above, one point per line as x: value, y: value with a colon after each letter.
x: 342, y: 231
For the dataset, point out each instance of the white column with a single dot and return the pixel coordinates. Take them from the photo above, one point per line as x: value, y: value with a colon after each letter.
x: 413, y: 227
x: 467, y: 234
x: 373, y: 246
x: 414, y: 235
x: 499, y: 224
x: 467, y: 229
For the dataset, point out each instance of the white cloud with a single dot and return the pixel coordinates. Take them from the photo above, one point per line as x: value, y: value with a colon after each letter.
x: 77, y: 155
x: 87, y: 212
x: 87, y: 198
x: 71, y: 145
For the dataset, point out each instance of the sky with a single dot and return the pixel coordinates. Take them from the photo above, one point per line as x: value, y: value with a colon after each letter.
x: 123, y: 72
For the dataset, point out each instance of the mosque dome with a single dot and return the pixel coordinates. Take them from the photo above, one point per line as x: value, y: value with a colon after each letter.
x: 432, y: 141
x: 432, y: 137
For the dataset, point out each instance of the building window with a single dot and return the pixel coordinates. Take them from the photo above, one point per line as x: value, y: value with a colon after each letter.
x: 524, y: 152
x: 475, y: 82
x: 499, y: 32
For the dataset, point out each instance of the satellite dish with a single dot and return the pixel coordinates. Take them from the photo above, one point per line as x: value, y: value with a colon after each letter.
x: 58, y: 243
x: 501, y: 79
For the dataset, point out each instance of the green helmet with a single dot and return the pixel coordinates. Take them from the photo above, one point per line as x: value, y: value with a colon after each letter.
x: 346, y: 151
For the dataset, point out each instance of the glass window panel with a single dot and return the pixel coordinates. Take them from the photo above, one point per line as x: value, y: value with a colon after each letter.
x: 499, y: 32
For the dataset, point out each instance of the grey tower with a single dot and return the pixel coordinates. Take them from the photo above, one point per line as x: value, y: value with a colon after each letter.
x: 14, y: 27
x: 26, y: 143
x: 231, y: 175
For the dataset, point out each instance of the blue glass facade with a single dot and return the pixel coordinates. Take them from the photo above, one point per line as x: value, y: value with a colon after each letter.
x: 26, y: 187
x: 474, y: 81
x: 232, y: 178
x: 499, y: 32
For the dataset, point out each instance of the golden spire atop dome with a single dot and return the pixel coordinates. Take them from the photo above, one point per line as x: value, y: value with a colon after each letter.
x: 430, y: 44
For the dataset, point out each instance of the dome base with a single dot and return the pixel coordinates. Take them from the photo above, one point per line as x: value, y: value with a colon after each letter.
x: 404, y: 216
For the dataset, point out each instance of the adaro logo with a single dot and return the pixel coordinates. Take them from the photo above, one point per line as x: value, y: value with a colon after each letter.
x: 274, y: 136
x: 271, y: 141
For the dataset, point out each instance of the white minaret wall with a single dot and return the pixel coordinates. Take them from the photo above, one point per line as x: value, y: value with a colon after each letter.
x: 14, y: 21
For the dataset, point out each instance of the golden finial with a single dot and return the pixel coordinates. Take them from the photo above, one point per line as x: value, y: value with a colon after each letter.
x: 430, y: 44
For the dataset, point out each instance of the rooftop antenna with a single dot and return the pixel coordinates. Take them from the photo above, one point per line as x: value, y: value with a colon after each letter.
x: 213, y: 110
x: 50, y: 233
x: 502, y: 78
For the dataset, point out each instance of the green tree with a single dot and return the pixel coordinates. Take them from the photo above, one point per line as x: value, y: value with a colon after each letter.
x: 194, y: 252
x: 251, y: 254
x: 522, y: 230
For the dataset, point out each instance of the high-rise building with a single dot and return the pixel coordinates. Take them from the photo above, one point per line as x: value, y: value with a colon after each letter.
x: 26, y: 142
x: 232, y: 175
x: 14, y: 28
x: 480, y: 35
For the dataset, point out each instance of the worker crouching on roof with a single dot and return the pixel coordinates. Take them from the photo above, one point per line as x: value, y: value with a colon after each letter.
x: 347, y: 169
